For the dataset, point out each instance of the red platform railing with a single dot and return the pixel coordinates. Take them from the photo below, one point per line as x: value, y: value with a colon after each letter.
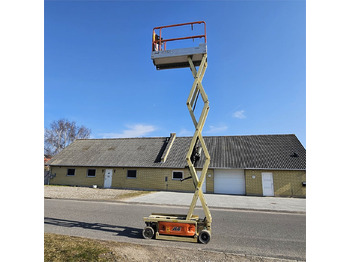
x: 157, y: 43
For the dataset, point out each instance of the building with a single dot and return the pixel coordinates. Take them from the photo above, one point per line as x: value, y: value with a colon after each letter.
x: 259, y: 165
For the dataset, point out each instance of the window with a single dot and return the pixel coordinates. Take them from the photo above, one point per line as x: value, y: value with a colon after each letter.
x: 178, y: 175
x: 70, y: 172
x: 131, y: 174
x: 91, y: 172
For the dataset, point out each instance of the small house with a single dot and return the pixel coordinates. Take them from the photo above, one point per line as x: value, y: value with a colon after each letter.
x: 259, y: 165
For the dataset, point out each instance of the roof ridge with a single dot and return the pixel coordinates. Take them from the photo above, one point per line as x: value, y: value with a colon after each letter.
x: 120, y: 138
x: 253, y: 135
x: 164, y: 137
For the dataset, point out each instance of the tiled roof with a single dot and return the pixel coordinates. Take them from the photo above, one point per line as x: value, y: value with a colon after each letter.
x: 246, y: 152
x: 259, y: 151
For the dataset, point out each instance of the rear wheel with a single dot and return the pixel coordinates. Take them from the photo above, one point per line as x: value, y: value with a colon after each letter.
x: 148, y: 232
x: 204, y: 237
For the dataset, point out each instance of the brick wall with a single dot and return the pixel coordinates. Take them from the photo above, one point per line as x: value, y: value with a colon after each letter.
x: 285, y: 182
x: 152, y: 179
x: 79, y: 179
x: 146, y: 178
x: 253, y: 183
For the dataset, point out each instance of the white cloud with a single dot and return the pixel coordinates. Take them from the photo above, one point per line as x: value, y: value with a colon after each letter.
x: 185, y: 132
x: 216, y: 129
x: 137, y: 130
x: 239, y: 114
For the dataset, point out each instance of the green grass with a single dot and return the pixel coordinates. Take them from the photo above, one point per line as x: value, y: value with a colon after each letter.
x: 68, y: 248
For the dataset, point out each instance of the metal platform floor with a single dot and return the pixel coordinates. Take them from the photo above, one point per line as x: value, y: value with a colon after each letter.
x: 178, y: 58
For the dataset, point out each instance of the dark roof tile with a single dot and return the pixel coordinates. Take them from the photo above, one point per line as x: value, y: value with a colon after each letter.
x: 247, y: 152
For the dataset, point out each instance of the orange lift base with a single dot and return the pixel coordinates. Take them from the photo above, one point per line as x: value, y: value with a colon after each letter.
x: 176, y: 227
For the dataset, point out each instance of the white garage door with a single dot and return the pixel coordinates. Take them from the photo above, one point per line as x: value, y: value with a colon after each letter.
x: 229, y: 182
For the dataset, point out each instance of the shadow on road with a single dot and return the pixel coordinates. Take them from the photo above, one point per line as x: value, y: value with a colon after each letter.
x: 118, y: 230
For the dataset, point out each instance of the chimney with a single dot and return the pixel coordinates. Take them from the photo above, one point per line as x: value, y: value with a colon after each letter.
x: 168, y: 147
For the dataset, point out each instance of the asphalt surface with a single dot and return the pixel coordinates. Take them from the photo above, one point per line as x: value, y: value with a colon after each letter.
x: 257, y: 233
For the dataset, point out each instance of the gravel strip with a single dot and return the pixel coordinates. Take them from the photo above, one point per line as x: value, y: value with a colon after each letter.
x: 67, y: 192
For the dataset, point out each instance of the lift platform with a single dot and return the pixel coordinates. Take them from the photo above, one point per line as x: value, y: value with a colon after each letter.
x: 176, y: 58
x: 178, y: 227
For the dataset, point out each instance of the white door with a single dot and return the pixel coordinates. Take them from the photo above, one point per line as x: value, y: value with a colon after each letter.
x: 267, y: 184
x: 230, y: 181
x: 204, y: 186
x: 108, y: 178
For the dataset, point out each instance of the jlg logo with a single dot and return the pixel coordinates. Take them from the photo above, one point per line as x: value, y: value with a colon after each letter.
x: 176, y: 228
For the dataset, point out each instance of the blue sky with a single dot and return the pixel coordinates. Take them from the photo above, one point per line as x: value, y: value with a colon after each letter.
x: 99, y: 72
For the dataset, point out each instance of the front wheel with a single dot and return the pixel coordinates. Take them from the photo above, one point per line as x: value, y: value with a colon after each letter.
x: 204, y: 237
x: 148, y: 232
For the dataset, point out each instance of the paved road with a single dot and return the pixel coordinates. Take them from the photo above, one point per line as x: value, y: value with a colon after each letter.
x: 241, y: 232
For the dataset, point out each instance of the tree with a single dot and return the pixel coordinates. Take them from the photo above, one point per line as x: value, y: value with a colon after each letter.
x: 61, y: 133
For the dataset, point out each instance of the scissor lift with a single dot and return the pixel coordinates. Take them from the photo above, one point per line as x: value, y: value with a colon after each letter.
x: 189, y: 228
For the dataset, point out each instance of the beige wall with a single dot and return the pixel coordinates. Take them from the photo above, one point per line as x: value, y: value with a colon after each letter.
x: 285, y: 182
x: 146, y: 178
x: 79, y: 179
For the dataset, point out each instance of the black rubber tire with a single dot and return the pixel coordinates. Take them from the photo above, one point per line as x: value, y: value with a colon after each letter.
x: 204, y: 237
x: 148, y: 232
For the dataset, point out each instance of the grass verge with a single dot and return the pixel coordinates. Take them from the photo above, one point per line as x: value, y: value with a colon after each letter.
x: 88, y: 193
x: 68, y: 248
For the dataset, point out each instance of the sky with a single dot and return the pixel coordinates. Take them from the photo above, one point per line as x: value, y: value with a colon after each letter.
x: 98, y: 69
